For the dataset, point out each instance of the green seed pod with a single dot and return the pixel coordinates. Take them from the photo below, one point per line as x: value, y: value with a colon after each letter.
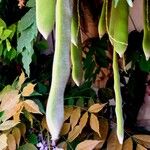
x: 45, y: 16
x: 146, y: 38
x: 61, y: 68
x: 102, y: 21
x: 118, y: 98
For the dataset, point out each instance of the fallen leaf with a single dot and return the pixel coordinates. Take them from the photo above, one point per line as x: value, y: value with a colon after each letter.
x: 94, y: 123
x: 73, y: 133
x: 95, y: 108
x: 3, y: 141
x: 17, y: 135
x: 143, y: 140
x: 128, y: 144
x: 87, y: 145
x: 140, y: 147
x: 83, y: 121
x: 65, y: 129
x: 31, y: 106
x: 67, y: 112
x: 75, y: 116
x: 11, y: 142
x: 28, y: 89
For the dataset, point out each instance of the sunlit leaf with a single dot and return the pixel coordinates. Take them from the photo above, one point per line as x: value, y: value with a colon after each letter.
x: 17, y: 135
x: 75, y: 116
x: 94, y: 123
x: 83, y: 120
x: 3, y: 141
x: 67, y: 112
x: 31, y: 106
x: 128, y: 144
x: 112, y: 142
x: 65, y: 129
x: 143, y: 140
x: 96, y: 108
x: 22, y: 78
x: 28, y: 89
x: 74, y: 133
x: 87, y: 145
x: 11, y: 142
x: 140, y: 147
x: 8, y: 125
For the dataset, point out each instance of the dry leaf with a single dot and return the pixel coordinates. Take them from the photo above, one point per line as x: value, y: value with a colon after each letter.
x: 96, y: 108
x: 67, y: 112
x: 44, y: 124
x: 9, y: 100
x: 112, y: 142
x: 65, y: 129
x: 22, y: 128
x: 3, y: 141
x: 83, y: 120
x: 7, y: 125
x: 140, y: 147
x: 87, y: 145
x: 143, y: 140
x: 28, y: 89
x: 75, y: 116
x: 31, y: 106
x: 94, y: 123
x: 74, y: 133
x: 62, y: 145
x: 17, y: 135
x: 22, y: 78
x: 128, y: 144
x: 11, y: 142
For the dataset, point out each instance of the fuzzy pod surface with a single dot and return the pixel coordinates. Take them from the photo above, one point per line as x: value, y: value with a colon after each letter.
x: 61, y: 68
x: 45, y: 16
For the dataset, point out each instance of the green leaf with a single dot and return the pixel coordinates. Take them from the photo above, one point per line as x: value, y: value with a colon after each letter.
x: 2, y: 23
x: 116, y: 2
x: 31, y: 3
x: 6, y: 33
x: 32, y: 138
x: 13, y: 29
x: 27, y: 146
x: 1, y: 113
x: 8, y: 45
x: 144, y: 65
x: 10, y: 55
x: 1, y: 31
x: 1, y: 49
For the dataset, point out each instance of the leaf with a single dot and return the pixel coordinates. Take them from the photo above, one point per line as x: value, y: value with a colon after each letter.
x: 75, y: 116
x: 22, y: 128
x: 31, y: 106
x: 2, y: 23
x: 63, y: 145
x: 32, y: 138
x: 27, y: 146
x: 44, y: 124
x: 143, y: 140
x: 128, y: 144
x: 96, y: 108
x: 73, y: 133
x: 6, y: 34
x: 11, y: 142
x: 87, y: 145
x: 130, y: 3
x: 116, y: 3
x: 67, y: 112
x: 7, y: 125
x: 22, y: 78
x: 28, y: 89
x: 112, y: 142
x: 65, y: 129
x: 17, y: 135
x: 9, y: 100
x: 94, y: 123
x: 8, y: 45
x: 3, y: 141
x: 83, y: 121
x: 140, y: 147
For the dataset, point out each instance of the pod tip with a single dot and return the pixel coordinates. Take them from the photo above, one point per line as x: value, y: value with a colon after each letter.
x: 120, y: 139
x: 147, y: 57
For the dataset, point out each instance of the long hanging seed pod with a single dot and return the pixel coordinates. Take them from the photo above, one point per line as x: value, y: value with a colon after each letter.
x: 61, y: 68
x: 118, y: 98
x: 146, y: 38
x: 45, y: 16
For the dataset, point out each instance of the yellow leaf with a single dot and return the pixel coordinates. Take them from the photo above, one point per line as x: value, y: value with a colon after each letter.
x: 74, y: 133
x: 87, y: 145
x: 75, y: 116
x: 67, y: 112
x: 143, y: 140
x: 7, y: 125
x: 11, y: 142
x: 112, y: 142
x: 140, y: 147
x: 22, y: 78
x: 128, y: 144
x: 9, y: 100
x: 28, y: 89
x: 31, y: 106
x: 17, y: 135
x: 44, y: 124
x: 83, y: 120
x: 65, y: 129
x: 22, y: 128
x: 94, y: 123
x: 3, y: 141
x: 96, y: 108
